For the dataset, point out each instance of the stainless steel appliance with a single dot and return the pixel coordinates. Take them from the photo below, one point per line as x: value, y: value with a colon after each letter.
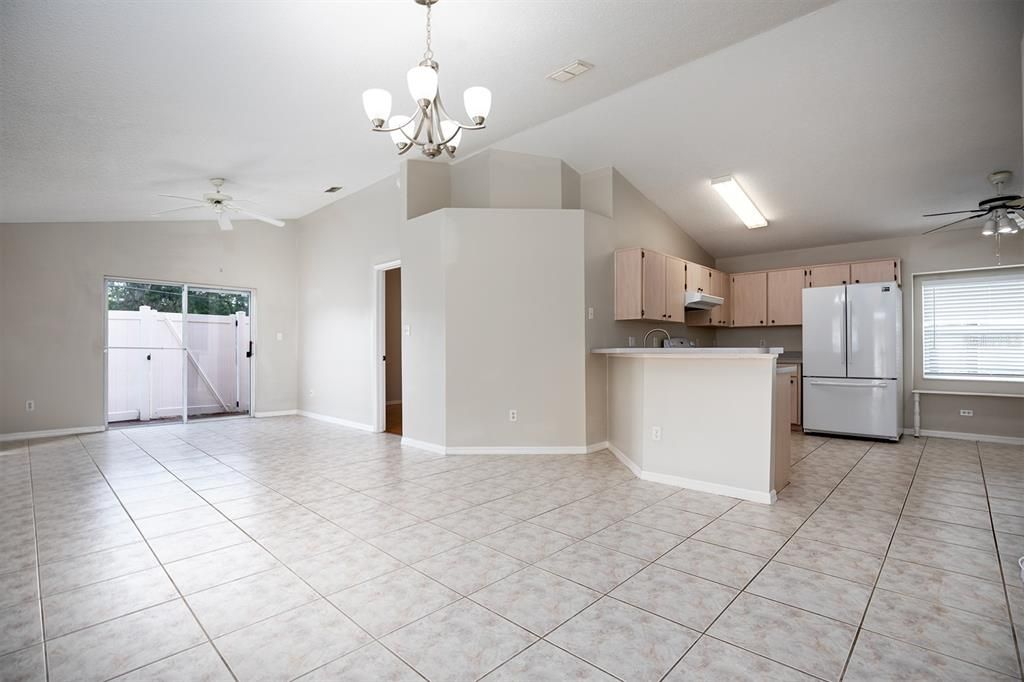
x: 853, y: 360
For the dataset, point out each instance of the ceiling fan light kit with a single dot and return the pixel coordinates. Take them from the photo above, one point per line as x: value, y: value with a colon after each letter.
x: 430, y: 127
x: 221, y: 204
x: 1003, y: 210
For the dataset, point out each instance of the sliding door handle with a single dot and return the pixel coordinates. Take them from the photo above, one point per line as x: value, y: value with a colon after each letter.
x: 248, y: 353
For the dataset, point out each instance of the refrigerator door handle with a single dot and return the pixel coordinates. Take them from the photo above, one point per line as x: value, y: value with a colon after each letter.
x: 847, y: 326
x: 868, y: 384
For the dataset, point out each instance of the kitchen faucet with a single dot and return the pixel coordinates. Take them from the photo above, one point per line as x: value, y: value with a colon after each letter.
x: 657, y: 329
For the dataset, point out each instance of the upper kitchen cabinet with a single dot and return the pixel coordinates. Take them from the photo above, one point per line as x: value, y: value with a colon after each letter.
x: 749, y: 299
x: 675, y: 289
x: 828, y: 275
x: 642, y: 281
x: 715, y: 283
x: 785, y: 300
x: 887, y: 270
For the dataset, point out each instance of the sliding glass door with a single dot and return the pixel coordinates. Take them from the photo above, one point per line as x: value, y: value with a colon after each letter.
x: 176, y: 352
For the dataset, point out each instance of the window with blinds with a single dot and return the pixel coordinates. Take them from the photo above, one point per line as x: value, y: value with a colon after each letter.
x: 973, y: 327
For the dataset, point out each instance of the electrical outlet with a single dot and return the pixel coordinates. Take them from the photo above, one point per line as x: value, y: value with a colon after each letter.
x: 30, y: 406
x: 590, y: 313
x: 655, y: 433
x: 966, y: 413
x: 513, y: 416
x: 631, y: 341
x: 407, y: 330
x: 310, y: 393
x: 280, y: 336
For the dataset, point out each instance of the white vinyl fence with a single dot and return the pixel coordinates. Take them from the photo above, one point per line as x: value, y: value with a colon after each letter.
x: 146, y: 358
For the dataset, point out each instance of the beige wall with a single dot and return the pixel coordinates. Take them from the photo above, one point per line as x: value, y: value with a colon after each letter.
x: 52, y: 299
x: 338, y: 247
x: 620, y: 216
x: 952, y: 250
x: 514, y: 328
x: 393, y: 334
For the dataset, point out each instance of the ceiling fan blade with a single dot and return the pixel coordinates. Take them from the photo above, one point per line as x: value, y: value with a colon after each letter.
x: 175, y: 196
x: 942, y: 227
x: 172, y: 210
x: 932, y: 215
x: 224, y: 221
x: 272, y: 221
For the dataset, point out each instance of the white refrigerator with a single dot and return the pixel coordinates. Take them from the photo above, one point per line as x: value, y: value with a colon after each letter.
x: 853, y: 360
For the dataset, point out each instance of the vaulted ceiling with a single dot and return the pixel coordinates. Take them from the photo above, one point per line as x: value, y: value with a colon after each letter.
x: 843, y: 120
x: 104, y: 105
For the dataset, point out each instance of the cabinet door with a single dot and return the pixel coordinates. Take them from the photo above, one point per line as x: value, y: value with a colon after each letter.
x: 629, y: 277
x: 829, y: 275
x: 675, y: 289
x: 698, y: 278
x: 722, y: 315
x: 785, y: 292
x: 749, y: 299
x: 653, y: 286
x: 874, y: 271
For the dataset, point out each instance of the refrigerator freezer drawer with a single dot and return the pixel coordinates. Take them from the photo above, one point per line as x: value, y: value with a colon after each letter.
x: 856, y: 407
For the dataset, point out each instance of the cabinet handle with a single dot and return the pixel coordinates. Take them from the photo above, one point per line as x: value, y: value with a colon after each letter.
x: 773, y: 321
x: 760, y: 321
x: 670, y: 317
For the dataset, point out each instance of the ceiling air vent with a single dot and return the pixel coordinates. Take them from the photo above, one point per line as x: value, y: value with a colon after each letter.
x: 570, y: 71
x: 332, y: 190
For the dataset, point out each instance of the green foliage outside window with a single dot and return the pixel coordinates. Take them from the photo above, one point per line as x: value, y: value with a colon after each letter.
x: 166, y: 298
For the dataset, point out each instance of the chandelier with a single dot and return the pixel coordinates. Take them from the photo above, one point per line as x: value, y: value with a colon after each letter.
x: 430, y: 127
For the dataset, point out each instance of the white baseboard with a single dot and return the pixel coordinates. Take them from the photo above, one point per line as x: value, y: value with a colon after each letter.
x: 958, y: 435
x: 692, y: 484
x: 626, y: 461
x: 275, y: 413
x: 337, y: 420
x: 423, y: 445
x: 50, y: 433
x: 597, y: 447
x: 517, y: 450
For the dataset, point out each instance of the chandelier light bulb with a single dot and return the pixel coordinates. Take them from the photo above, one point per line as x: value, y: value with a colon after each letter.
x: 377, y: 103
x: 422, y: 83
x: 450, y: 128
x: 989, y: 229
x: 478, y: 103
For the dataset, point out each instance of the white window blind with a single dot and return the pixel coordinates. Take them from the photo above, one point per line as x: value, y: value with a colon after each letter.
x: 973, y: 327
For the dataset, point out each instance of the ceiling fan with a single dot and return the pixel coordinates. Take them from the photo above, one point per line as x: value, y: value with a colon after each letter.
x: 221, y: 204
x: 1004, y: 210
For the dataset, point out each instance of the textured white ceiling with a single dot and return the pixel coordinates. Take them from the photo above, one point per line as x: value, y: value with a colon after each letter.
x: 843, y: 125
x: 103, y: 105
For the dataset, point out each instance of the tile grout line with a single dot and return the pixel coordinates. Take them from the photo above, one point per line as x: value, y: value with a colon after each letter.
x: 162, y: 567
x: 1014, y: 635
x: 885, y: 557
x: 39, y: 577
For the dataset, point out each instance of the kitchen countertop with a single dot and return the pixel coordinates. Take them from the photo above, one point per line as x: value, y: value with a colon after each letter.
x: 710, y: 350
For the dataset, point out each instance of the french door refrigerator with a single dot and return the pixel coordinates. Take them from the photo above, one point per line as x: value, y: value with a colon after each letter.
x: 853, y: 352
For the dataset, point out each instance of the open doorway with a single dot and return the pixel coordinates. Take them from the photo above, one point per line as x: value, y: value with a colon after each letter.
x: 393, y: 351
x: 176, y: 352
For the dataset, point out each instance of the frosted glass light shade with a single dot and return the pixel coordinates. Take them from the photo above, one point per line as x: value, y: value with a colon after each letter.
x: 422, y: 83
x: 403, y: 121
x: 377, y: 103
x: 478, y: 102
x: 990, y: 228
x: 448, y: 128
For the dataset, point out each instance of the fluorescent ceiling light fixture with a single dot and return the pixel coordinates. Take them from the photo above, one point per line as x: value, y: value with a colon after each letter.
x: 739, y: 202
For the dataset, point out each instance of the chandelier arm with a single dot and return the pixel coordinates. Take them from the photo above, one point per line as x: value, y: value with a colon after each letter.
x: 391, y: 130
x: 454, y: 120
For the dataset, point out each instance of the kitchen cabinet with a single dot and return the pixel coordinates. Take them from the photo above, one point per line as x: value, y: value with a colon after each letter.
x: 710, y: 281
x: 887, y: 270
x: 649, y: 286
x: 675, y: 289
x: 828, y: 275
x: 795, y: 382
x: 749, y: 299
x: 785, y: 297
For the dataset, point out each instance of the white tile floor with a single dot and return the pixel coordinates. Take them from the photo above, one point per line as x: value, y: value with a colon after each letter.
x: 274, y: 549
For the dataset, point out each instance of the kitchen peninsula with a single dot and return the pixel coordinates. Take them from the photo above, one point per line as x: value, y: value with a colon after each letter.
x: 709, y: 419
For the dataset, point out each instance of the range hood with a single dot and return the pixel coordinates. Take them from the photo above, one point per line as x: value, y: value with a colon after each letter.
x: 698, y: 300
